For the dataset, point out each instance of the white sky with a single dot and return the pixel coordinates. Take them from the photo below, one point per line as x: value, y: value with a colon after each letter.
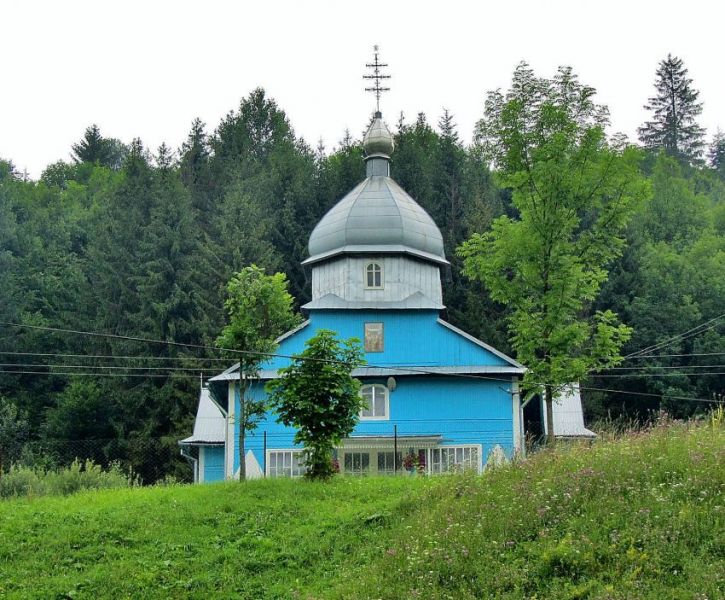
x: 147, y: 68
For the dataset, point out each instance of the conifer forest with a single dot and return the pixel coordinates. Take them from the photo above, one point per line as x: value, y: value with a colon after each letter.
x: 138, y: 244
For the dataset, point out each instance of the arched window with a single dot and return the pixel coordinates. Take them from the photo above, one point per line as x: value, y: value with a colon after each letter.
x: 377, y: 406
x: 374, y: 276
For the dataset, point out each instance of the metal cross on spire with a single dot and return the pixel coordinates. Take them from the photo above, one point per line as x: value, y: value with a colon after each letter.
x: 377, y: 76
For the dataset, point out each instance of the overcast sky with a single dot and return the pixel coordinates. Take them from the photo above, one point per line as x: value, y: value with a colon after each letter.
x: 147, y: 68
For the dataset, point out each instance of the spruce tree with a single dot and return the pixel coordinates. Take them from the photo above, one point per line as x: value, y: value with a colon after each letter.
x: 675, y: 109
x: 716, y: 152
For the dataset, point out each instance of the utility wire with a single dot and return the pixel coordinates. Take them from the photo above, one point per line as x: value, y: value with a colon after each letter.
x: 712, y: 323
x: 111, y: 356
x: 674, y: 355
x: 679, y: 337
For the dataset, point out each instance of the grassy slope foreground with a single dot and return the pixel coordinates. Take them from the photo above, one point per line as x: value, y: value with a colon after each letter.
x: 641, y: 517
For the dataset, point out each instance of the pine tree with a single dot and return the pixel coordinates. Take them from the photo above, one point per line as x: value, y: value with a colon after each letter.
x: 675, y: 110
x: 716, y: 152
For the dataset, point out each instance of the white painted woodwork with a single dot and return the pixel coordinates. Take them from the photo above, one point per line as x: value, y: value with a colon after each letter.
x: 402, y: 277
x: 229, y: 446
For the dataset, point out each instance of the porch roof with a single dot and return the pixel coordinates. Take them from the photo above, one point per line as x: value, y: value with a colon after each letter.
x: 359, y: 442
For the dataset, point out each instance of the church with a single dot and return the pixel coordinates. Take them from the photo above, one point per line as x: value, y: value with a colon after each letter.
x: 437, y: 398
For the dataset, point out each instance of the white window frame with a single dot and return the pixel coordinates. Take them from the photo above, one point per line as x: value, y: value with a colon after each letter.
x: 455, y: 449
x: 366, y: 270
x: 352, y: 472
x: 295, y: 469
x: 386, y: 392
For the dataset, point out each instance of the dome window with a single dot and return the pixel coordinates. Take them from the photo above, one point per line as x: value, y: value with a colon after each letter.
x: 374, y: 276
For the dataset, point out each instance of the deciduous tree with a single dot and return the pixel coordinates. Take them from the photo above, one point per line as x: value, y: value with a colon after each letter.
x: 574, y: 192
x: 318, y: 396
x: 259, y: 308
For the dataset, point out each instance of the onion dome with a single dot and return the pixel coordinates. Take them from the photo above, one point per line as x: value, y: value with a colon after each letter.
x: 378, y: 140
x: 377, y: 216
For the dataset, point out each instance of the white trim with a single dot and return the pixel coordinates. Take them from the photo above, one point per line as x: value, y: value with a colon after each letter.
x: 517, y: 415
x: 477, y: 447
x: 478, y: 342
x: 254, y: 470
x: 380, y: 266
x: 201, y: 465
x: 235, y: 367
x: 291, y: 332
x: 267, y: 461
x: 229, y: 449
x: 386, y: 416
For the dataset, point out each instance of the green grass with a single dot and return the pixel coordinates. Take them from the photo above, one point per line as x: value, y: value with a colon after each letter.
x: 639, y: 517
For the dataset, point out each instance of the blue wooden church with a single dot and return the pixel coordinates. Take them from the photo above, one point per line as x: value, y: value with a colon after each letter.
x: 438, y: 399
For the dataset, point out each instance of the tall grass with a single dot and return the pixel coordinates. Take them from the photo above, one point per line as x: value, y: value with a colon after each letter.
x: 23, y: 481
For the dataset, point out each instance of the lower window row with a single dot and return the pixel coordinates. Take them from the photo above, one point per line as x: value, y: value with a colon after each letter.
x: 445, y: 459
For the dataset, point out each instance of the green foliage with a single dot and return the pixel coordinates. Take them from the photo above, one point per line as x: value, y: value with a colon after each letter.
x: 32, y: 482
x: 633, y: 518
x: 637, y: 517
x: 259, y: 308
x: 14, y: 431
x: 574, y: 192
x: 318, y: 396
x: 96, y: 149
x: 716, y: 153
x: 675, y: 109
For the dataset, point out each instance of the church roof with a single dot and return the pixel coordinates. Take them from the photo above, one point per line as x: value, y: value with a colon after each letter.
x: 209, y: 426
x: 377, y: 216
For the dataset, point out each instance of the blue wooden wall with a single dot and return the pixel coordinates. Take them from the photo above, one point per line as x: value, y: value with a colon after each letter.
x: 412, y: 337
x: 213, y: 463
x: 462, y: 410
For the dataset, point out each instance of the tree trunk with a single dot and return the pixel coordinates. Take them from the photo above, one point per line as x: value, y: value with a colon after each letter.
x: 548, y: 402
x: 242, y: 429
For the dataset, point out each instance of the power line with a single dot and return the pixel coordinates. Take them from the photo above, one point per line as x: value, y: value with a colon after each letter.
x: 641, y: 375
x: 129, y: 368
x: 291, y: 357
x: 650, y: 367
x: 679, y: 337
x: 75, y: 373
x: 660, y: 396
x: 111, y: 356
x: 185, y: 376
x: 677, y: 355
x: 243, y: 352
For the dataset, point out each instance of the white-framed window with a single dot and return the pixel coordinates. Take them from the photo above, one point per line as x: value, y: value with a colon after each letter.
x: 374, y: 340
x: 386, y: 462
x: 285, y: 463
x: 454, y: 458
x: 356, y: 463
x: 377, y: 404
x: 374, y: 276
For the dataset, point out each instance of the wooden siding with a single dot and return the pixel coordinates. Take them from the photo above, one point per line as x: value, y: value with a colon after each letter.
x: 213, y: 463
x: 402, y: 277
x: 462, y: 411
x: 412, y: 338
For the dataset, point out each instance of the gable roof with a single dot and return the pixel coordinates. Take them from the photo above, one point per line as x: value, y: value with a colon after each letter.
x: 483, y: 345
x: 209, y: 425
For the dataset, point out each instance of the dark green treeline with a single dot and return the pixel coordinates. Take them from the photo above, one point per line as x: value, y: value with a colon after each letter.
x: 136, y: 243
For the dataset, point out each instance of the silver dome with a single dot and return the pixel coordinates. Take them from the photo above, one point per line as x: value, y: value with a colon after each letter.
x: 378, y: 141
x: 377, y: 217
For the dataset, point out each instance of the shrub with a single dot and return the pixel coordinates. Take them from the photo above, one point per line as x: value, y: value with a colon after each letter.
x: 22, y: 481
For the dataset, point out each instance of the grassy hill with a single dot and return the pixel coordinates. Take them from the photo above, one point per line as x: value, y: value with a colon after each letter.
x: 638, y: 517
